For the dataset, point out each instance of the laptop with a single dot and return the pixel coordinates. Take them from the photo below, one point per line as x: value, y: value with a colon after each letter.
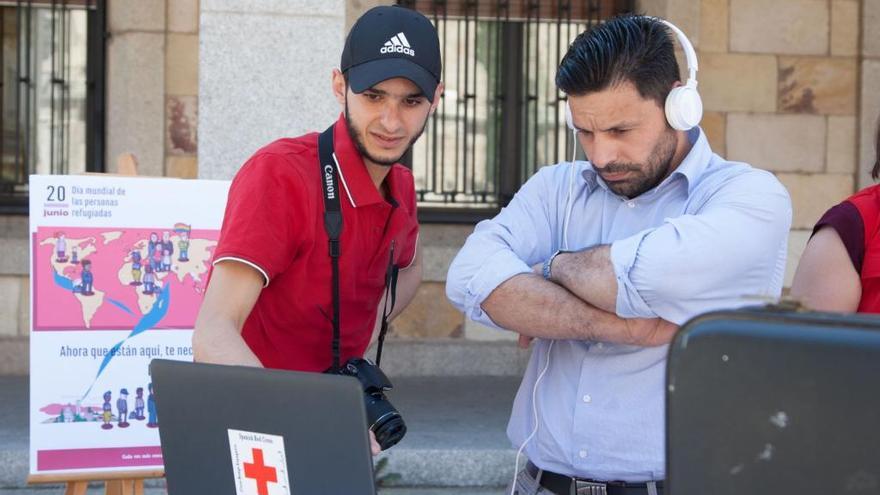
x: 250, y: 431
x: 765, y: 401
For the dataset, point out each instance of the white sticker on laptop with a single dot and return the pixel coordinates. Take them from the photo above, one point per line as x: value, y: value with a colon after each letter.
x: 259, y: 464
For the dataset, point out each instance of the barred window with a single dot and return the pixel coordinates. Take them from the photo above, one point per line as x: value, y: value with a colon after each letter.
x: 52, y: 101
x: 500, y: 116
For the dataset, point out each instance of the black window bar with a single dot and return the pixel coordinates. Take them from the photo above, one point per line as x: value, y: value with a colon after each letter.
x: 53, y: 85
x: 501, y: 116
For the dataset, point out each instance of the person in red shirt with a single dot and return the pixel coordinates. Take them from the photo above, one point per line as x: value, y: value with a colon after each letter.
x: 269, y: 301
x: 840, y: 267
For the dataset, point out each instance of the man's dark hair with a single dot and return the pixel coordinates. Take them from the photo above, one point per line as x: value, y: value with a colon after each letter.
x: 630, y: 48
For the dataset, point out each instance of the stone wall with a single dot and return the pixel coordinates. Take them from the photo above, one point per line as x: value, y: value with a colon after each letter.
x: 870, y: 88
x: 780, y: 87
x: 266, y: 68
x: 181, y: 89
x: 14, y: 296
x: 152, y: 85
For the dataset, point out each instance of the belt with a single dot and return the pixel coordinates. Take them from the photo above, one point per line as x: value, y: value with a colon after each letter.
x: 561, y: 484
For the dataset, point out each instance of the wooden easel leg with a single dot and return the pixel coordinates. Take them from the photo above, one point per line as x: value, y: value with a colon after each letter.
x: 122, y: 486
x: 125, y: 487
x: 113, y: 487
x: 76, y: 488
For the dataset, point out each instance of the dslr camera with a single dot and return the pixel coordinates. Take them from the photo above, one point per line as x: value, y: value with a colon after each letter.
x: 382, y: 418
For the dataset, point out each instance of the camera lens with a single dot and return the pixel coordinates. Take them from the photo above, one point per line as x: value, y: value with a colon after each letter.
x: 385, y: 422
x: 389, y: 431
x: 382, y: 418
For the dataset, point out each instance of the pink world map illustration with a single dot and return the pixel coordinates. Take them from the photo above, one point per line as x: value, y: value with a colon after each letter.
x: 118, y: 294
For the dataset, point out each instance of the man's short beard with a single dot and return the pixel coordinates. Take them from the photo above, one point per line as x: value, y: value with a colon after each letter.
x: 647, y: 176
x: 359, y: 141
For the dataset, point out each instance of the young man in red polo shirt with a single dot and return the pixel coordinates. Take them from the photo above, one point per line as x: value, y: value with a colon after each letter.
x: 269, y: 301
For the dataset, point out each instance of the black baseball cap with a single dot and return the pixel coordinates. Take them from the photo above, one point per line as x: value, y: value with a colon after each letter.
x: 392, y: 41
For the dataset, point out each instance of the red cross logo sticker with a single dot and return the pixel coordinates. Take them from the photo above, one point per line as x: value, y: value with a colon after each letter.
x: 260, y: 472
x: 259, y: 464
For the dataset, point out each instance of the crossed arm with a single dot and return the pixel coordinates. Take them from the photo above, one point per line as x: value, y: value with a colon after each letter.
x: 534, y: 307
x: 577, y: 303
x: 636, y: 289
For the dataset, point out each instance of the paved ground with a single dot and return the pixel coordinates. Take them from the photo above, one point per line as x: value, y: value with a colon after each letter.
x: 455, y: 440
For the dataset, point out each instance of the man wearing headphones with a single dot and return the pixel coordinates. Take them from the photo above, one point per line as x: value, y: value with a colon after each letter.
x: 316, y: 227
x: 602, y: 260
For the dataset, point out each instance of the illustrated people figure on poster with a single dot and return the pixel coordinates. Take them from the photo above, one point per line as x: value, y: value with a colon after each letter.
x: 74, y: 259
x: 183, y: 245
x: 136, y: 268
x: 139, y: 404
x: 67, y: 414
x: 87, y: 278
x: 149, y: 280
x: 166, y: 260
x: 156, y: 258
x: 61, y: 247
x: 151, y: 244
x: 153, y: 419
x: 108, y: 411
x: 122, y: 408
x: 167, y: 245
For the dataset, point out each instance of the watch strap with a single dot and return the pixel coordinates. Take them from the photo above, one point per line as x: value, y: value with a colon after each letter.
x: 546, y: 268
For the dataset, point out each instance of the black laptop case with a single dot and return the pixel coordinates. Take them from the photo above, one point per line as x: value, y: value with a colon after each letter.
x: 774, y: 401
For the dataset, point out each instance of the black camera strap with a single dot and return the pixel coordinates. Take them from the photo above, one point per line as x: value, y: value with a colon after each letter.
x: 333, y: 226
x: 332, y: 223
x: 390, y: 295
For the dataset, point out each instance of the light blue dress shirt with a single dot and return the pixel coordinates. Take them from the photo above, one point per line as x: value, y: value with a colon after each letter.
x: 712, y: 235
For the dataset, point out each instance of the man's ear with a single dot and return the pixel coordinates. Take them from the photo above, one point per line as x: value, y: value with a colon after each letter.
x: 437, y: 93
x: 337, y: 83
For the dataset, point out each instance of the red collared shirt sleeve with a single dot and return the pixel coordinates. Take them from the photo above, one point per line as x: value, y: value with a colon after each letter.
x: 266, y: 221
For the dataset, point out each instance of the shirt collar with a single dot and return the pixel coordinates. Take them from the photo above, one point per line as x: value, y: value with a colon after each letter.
x: 691, y: 167
x: 697, y: 159
x: 353, y: 173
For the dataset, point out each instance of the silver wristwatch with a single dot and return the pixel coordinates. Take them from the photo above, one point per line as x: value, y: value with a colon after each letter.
x: 545, y: 269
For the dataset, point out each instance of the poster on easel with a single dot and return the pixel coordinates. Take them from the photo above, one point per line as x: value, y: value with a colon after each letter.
x: 118, y: 270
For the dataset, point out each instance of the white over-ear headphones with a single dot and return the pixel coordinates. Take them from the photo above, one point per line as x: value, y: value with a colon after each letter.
x: 684, y: 107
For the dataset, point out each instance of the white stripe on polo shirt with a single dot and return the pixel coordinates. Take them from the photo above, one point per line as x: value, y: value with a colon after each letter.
x: 246, y: 262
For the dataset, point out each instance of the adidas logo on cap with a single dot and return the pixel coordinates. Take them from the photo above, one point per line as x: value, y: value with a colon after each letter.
x: 397, y: 44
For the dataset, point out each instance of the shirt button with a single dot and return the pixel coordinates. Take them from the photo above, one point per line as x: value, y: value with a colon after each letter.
x: 587, y: 398
x: 599, y: 346
x: 583, y: 454
x: 631, y: 204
